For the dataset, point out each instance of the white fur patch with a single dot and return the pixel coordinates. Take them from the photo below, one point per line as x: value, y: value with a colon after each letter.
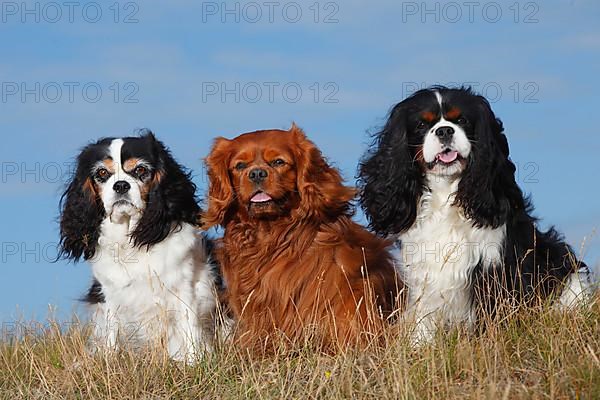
x: 578, y: 289
x: 438, y: 97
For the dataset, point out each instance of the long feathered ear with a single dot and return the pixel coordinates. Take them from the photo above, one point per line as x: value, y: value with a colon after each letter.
x: 322, y: 192
x: 82, y: 213
x: 389, y: 177
x: 487, y: 190
x: 220, y: 189
x: 171, y: 200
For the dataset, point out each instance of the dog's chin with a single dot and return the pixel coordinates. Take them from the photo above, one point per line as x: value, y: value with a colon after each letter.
x: 447, y: 164
x: 123, y: 210
x: 447, y: 170
x: 263, y: 206
x: 264, y: 210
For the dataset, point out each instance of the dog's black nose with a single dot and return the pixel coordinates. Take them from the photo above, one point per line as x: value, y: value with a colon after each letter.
x: 258, y: 175
x: 121, y: 187
x: 444, y: 132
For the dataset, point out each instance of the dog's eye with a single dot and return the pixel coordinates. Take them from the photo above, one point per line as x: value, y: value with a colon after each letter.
x: 277, y: 162
x: 140, y: 171
x: 420, y: 125
x: 461, y: 120
x: 102, y: 174
x: 240, y: 166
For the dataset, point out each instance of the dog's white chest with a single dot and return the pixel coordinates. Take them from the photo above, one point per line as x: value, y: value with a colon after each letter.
x: 134, y: 278
x: 440, y: 251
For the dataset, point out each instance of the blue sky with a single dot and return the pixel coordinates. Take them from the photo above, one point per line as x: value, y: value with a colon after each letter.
x: 192, y: 70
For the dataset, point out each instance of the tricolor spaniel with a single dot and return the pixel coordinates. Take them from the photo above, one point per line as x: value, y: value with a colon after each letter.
x: 130, y: 211
x: 295, y: 264
x: 439, y: 179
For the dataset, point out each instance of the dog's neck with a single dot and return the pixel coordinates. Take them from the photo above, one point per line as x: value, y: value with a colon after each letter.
x: 269, y: 232
x: 439, y: 194
x: 442, y: 185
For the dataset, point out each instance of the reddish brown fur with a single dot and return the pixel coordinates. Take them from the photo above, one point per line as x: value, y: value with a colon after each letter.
x: 149, y: 185
x: 109, y: 164
x: 90, y: 188
x: 300, y: 264
x: 453, y: 113
x: 428, y: 116
x: 130, y: 164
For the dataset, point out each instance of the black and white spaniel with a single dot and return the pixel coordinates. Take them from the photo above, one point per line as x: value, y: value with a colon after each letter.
x: 438, y: 178
x: 130, y: 210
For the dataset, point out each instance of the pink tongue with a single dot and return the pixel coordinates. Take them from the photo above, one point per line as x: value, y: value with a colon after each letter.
x: 260, y: 197
x: 447, y: 157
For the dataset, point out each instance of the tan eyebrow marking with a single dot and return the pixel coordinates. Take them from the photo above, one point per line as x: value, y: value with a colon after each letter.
x: 453, y: 113
x: 428, y: 116
x: 109, y: 164
x: 130, y: 164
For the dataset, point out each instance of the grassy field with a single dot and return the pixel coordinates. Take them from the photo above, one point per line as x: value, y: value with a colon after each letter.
x: 543, y: 354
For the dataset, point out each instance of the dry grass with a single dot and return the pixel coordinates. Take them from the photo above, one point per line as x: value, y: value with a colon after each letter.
x: 541, y: 355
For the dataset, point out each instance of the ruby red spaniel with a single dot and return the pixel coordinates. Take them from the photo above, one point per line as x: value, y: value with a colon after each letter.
x: 295, y: 264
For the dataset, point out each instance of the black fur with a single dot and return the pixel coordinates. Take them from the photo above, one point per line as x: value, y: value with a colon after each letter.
x: 94, y: 294
x: 171, y: 202
x: 392, y: 179
x: 488, y: 192
x: 82, y: 212
x: 536, y: 264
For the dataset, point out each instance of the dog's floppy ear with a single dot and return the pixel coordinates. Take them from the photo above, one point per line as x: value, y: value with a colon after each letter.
x: 487, y: 190
x: 220, y: 190
x: 322, y: 192
x: 171, y: 200
x: 81, y: 215
x: 390, y: 179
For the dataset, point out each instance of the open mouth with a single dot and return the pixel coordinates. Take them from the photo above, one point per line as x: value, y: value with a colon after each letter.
x: 447, y: 156
x: 260, y: 197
